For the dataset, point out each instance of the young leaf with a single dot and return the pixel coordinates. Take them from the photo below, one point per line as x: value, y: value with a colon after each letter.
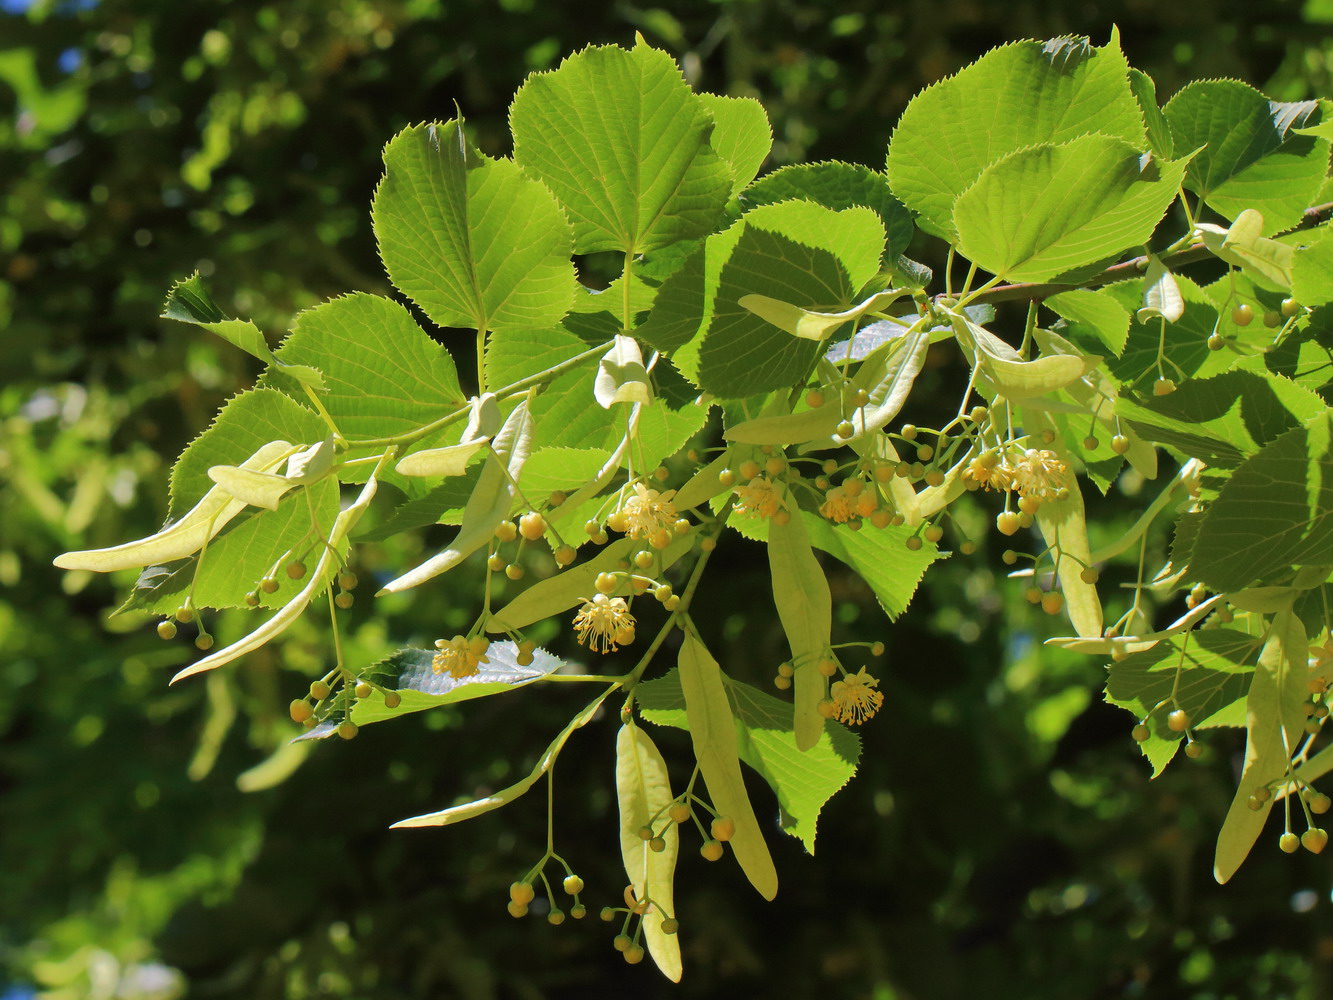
x: 1250, y: 157
x: 1273, y: 721
x: 188, y: 302
x: 1161, y: 294
x: 643, y: 791
x: 623, y: 142
x: 456, y: 814
x: 1159, y: 131
x: 1267, y: 262
x: 741, y: 135
x: 180, y: 538
x: 1093, y: 313
x: 805, y: 608
x: 489, y: 504
x: 473, y: 241
x: 837, y: 186
x: 1004, y: 368
x: 1014, y: 97
x: 1044, y: 212
x: 483, y: 423
x: 621, y: 376
x: 713, y: 732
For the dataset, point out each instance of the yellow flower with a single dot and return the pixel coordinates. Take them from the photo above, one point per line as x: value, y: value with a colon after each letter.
x: 837, y: 506
x: 1039, y: 474
x: 986, y: 471
x: 760, y: 497
x: 646, y: 512
x: 604, y: 623
x: 855, y: 699
x: 460, y: 656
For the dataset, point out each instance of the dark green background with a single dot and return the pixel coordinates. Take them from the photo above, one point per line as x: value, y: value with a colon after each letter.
x: 1002, y: 838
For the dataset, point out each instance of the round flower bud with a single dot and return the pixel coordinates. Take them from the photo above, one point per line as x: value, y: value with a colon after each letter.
x: 166, y: 629
x: 573, y: 884
x: 392, y: 699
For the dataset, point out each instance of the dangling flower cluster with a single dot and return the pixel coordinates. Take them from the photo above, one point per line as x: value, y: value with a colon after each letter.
x: 645, y: 513
x: 1039, y: 475
x: 855, y: 699
x: 838, y: 506
x: 460, y: 656
x: 760, y: 497
x: 604, y: 623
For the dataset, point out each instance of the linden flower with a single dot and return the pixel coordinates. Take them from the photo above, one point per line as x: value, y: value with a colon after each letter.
x: 646, y: 512
x: 838, y: 506
x: 604, y: 623
x: 760, y: 497
x: 984, y: 470
x: 1039, y: 474
x: 855, y: 699
x: 459, y: 656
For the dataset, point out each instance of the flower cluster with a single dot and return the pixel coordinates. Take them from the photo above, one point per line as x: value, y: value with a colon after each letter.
x: 855, y: 699
x: 460, y: 656
x: 645, y: 514
x: 604, y: 623
x: 760, y: 497
x: 1039, y: 475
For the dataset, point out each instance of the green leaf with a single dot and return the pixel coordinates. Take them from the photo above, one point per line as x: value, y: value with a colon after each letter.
x: 1274, y: 512
x: 473, y: 241
x: 489, y: 504
x: 643, y: 793
x: 1273, y: 719
x: 478, y: 807
x: 798, y: 252
x: 245, y: 424
x: 1312, y: 271
x: 713, y: 732
x: 189, y: 302
x: 1215, y: 669
x: 513, y: 355
x: 1159, y: 130
x: 1250, y: 157
x: 803, y: 781
x: 837, y: 186
x: 1224, y: 419
x: 382, y: 374
x: 1016, y: 96
x: 805, y: 608
x: 624, y: 143
x: 1184, y: 342
x: 1093, y: 315
x: 551, y: 469
x: 411, y: 673
x: 1046, y: 211
x: 741, y: 135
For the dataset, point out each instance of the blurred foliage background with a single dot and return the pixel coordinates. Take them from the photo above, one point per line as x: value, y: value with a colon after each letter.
x: 1001, y: 837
